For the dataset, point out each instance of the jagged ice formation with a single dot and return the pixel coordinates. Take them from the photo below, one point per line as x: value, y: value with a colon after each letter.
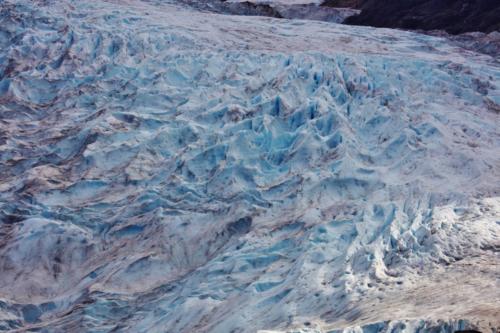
x: 166, y: 170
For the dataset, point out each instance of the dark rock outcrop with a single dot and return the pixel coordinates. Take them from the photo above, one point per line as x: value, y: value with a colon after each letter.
x: 343, y: 3
x: 453, y: 16
x: 235, y: 8
x: 336, y: 11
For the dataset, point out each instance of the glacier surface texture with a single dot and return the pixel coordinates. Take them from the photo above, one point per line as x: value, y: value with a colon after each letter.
x: 165, y: 169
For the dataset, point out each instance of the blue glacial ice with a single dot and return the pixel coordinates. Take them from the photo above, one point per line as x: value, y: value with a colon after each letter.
x: 169, y: 170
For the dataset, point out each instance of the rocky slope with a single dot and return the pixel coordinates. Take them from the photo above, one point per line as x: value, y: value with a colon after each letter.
x: 453, y: 16
x: 305, y: 9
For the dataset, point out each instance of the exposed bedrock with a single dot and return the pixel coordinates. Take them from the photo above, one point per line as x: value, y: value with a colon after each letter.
x: 455, y: 17
x: 310, y: 11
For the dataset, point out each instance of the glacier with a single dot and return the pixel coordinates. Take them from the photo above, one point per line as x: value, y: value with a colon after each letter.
x: 164, y: 169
